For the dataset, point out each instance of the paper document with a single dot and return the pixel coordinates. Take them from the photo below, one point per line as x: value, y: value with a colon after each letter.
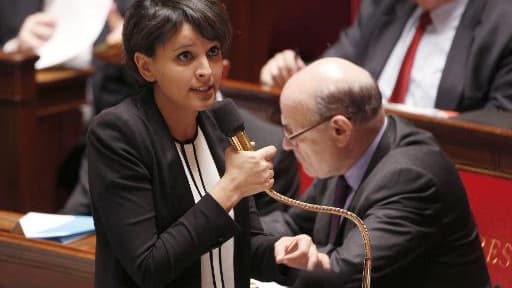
x: 61, y: 228
x: 79, y: 23
x: 258, y: 284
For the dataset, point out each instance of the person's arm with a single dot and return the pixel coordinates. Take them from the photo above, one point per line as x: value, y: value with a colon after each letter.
x: 348, y: 40
x: 35, y: 31
x: 122, y: 198
x: 500, y: 90
x: 79, y: 201
x: 263, y: 265
x: 402, y: 222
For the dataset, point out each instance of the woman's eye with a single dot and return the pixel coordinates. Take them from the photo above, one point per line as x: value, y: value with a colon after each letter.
x: 214, y: 51
x: 184, y: 56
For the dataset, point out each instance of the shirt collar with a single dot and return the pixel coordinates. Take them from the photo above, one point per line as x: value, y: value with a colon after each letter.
x: 355, y: 174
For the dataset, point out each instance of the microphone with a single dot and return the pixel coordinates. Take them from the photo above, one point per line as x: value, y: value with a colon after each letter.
x: 230, y: 123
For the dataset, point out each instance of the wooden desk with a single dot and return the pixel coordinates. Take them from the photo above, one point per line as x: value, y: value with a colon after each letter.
x: 41, y: 121
x: 38, y: 263
x: 470, y: 146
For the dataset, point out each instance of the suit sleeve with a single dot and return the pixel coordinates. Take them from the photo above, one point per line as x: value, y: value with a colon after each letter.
x: 263, y: 264
x: 401, y: 223
x: 492, y: 58
x: 121, y: 190
x: 500, y: 91
x: 348, y: 39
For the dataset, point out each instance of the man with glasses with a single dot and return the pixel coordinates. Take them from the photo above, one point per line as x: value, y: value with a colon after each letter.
x: 392, y: 175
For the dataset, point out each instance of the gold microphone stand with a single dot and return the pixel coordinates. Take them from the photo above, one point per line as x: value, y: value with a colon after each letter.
x: 242, y: 143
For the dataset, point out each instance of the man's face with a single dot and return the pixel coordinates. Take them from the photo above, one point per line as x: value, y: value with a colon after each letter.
x: 311, y: 148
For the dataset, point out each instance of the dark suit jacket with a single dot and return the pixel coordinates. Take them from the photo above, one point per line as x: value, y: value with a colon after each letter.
x: 12, y: 15
x: 414, y: 204
x: 149, y: 232
x: 478, y: 71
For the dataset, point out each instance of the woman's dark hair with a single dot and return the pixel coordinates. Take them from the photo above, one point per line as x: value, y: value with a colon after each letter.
x: 150, y: 23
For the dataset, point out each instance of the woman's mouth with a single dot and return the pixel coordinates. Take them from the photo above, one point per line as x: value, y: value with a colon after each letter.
x: 203, y: 89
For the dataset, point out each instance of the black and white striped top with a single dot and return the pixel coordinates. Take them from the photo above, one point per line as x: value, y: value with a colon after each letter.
x: 217, y: 265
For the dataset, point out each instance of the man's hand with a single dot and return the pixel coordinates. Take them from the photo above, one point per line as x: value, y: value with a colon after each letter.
x: 115, y: 24
x: 280, y: 68
x: 300, y: 252
x: 35, y: 31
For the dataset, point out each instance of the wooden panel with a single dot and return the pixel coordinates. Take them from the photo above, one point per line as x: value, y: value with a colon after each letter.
x: 40, y: 114
x: 470, y: 145
x: 17, y: 76
x: 264, y: 27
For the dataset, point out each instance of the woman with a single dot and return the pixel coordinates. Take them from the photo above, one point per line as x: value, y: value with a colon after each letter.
x: 169, y: 212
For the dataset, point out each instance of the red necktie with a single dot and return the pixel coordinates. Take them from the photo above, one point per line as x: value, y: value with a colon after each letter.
x: 340, y: 197
x: 404, y: 76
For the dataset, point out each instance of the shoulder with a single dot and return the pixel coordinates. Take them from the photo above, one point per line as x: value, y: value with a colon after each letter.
x: 126, y: 113
x: 413, y: 152
x: 124, y: 122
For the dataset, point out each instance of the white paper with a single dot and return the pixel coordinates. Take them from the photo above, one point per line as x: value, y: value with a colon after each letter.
x: 79, y: 23
x: 259, y: 284
x: 43, y: 225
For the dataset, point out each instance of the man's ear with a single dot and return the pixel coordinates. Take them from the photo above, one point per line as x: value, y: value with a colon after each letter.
x: 144, y: 65
x: 341, y: 130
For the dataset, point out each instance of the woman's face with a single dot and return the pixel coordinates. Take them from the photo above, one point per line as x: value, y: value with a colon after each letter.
x: 186, y: 71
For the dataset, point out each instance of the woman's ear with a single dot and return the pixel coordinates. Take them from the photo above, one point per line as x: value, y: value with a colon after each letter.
x: 144, y: 65
x: 341, y: 130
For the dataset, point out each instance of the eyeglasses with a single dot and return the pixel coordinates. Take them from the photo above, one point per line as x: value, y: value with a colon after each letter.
x: 292, y: 138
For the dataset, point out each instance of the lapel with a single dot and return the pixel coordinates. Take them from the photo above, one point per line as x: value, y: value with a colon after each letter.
x: 451, y: 86
x: 172, y: 193
x: 387, y: 28
x: 356, y: 206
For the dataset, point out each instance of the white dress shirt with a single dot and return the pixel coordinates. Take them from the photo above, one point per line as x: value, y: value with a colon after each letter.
x: 430, y: 57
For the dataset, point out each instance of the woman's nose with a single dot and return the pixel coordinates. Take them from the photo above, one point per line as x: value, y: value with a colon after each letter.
x: 204, y: 69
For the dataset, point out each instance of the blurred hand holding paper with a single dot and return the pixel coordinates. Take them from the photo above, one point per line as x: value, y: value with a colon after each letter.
x: 61, y: 228
x: 79, y: 23
x: 258, y: 284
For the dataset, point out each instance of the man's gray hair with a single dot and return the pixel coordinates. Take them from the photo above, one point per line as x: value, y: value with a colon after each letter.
x: 359, y: 102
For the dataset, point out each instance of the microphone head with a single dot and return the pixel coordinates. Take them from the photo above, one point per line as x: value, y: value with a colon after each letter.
x: 228, y: 118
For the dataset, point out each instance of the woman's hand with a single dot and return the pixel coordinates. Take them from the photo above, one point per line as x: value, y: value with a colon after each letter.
x: 247, y: 173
